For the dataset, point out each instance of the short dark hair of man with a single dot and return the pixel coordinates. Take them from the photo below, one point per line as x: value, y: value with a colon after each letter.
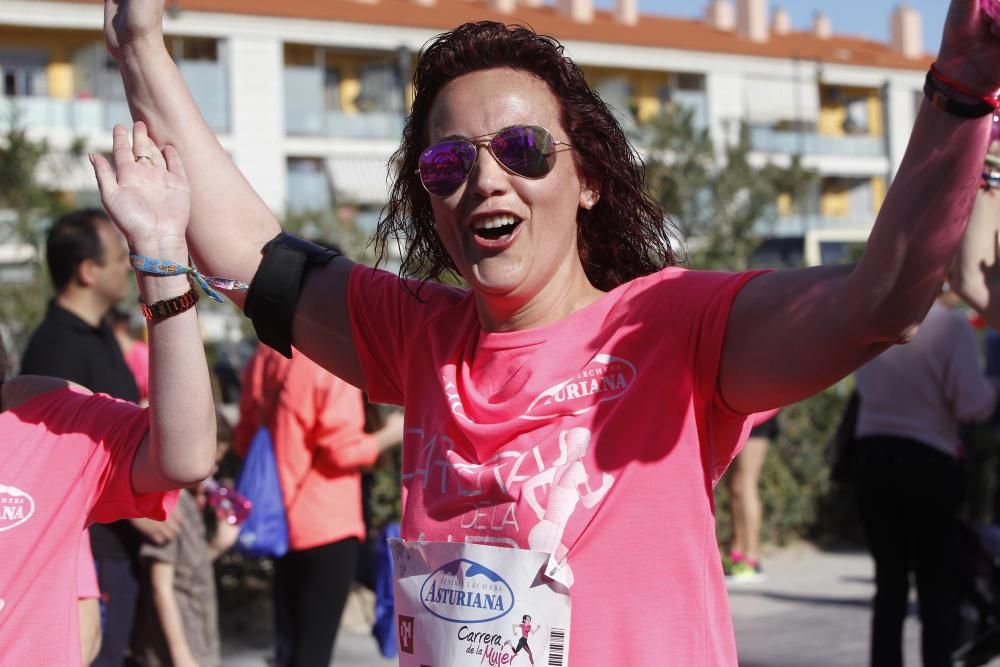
x: 72, y: 239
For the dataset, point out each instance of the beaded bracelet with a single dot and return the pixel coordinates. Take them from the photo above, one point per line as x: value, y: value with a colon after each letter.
x: 159, y: 267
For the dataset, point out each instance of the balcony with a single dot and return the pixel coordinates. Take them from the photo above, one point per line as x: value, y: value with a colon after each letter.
x: 77, y: 116
x: 798, y: 225
x: 809, y: 143
x: 361, y: 125
x: 207, y: 82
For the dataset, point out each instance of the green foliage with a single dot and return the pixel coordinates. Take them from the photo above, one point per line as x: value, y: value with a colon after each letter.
x: 27, y: 207
x: 719, y: 201
x: 799, y: 498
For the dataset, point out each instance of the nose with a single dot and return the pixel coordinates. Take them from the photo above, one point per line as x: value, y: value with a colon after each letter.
x: 488, y: 177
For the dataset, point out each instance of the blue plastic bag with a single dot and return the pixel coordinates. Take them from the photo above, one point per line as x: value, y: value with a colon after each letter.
x: 384, y: 629
x: 265, y: 532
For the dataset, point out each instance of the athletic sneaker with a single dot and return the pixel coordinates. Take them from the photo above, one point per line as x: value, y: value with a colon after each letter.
x: 745, y: 571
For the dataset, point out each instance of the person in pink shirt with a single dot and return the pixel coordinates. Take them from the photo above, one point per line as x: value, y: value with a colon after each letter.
x: 69, y: 458
x: 316, y: 421
x: 135, y: 352
x: 580, y: 380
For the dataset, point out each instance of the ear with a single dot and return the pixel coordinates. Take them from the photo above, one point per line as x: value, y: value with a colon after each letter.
x: 86, y: 272
x: 589, y: 196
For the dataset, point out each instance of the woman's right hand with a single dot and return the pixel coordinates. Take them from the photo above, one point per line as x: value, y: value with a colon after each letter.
x: 130, y: 22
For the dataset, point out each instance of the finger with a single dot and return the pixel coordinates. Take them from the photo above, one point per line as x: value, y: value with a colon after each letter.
x: 142, y: 145
x: 174, y: 164
x: 121, y: 149
x: 107, y: 184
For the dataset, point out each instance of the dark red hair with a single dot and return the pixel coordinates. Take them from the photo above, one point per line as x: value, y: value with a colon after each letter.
x: 626, y: 235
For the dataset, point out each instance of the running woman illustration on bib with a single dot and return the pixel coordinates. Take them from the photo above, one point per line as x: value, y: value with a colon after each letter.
x: 525, y: 628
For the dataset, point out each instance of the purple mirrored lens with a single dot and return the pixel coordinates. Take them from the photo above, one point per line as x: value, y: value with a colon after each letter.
x: 524, y: 149
x: 445, y: 166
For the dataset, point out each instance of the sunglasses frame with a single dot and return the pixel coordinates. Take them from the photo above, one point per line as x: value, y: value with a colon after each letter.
x: 487, y: 140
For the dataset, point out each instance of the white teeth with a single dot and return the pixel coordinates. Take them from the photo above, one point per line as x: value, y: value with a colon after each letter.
x: 495, y: 221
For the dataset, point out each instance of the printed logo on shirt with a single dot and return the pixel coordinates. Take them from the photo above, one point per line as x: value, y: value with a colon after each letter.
x: 405, y: 628
x: 604, y: 378
x: 16, y: 507
x: 464, y: 591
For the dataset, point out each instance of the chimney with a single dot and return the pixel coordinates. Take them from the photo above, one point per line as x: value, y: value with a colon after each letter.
x: 499, y: 6
x: 627, y: 11
x: 720, y: 15
x: 822, y: 27
x: 751, y: 19
x: 906, y: 32
x: 781, y: 22
x: 581, y: 11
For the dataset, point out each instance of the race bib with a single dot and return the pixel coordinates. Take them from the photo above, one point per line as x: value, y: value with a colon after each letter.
x: 460, y: 605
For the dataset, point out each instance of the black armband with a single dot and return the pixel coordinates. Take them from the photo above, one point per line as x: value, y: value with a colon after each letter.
x: 274, y: 290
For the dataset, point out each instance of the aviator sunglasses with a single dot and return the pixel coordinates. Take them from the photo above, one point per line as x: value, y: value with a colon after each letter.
x: 527, y: 151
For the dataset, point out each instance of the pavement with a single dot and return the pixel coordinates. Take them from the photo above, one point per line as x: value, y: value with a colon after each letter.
x: 812, y: 608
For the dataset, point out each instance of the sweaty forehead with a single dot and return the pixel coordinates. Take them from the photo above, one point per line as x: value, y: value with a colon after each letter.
x: 489, y: 100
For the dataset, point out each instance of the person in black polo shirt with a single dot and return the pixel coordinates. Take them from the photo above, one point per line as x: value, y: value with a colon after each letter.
x: 89, y: 266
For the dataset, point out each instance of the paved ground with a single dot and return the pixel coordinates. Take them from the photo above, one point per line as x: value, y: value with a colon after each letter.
x: 813, y: 609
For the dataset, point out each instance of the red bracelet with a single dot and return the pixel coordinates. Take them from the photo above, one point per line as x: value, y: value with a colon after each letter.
x: 965, y: 90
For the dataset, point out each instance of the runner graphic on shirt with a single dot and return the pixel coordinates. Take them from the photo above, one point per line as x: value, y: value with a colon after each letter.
x: 566, y: 476
x: 525, y: 628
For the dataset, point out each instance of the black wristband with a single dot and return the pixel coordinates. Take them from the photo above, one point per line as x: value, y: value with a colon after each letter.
x: 941, y: 96
x: 274, y: 290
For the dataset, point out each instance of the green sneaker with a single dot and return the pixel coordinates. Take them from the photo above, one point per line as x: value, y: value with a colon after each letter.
x: 744, y: 571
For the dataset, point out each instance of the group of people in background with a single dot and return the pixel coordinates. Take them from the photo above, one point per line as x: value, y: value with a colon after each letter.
x: 577, y: 400
x: 146, y: 587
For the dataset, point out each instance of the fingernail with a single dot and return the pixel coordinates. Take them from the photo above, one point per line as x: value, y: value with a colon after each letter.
x: 90, y: 156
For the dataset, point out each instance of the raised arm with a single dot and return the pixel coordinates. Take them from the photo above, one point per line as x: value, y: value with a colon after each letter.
x: 229, y: 222
x: 148, y: 200
x: 975, y: 274
x: 792, y: 333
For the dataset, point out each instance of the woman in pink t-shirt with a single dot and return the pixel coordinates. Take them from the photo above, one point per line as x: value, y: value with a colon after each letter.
x: 582, y: 395
x: 69, y: 458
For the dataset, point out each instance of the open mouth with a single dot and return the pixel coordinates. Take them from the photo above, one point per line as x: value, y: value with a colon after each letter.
x: 496, y: 227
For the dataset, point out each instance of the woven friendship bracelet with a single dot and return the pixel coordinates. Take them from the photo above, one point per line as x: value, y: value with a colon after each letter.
x: 158, y: 267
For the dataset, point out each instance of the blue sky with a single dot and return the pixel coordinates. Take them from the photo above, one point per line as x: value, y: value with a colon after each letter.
x: 855, y: 17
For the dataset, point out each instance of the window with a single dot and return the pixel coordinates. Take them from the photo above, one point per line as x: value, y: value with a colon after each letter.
x: 380, y: 88
x: 23, y: 72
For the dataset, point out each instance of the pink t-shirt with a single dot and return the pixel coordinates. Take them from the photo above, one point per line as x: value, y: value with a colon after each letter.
x: 598, y: 438
x: 65, y: 462
x: 86, y: 571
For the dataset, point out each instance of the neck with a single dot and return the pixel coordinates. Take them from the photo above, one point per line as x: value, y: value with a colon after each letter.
x: 84, y: 304
x: 567, y: 292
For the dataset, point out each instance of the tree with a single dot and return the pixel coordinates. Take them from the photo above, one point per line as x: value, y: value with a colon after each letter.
x: 719, y: 201
x: 27, y: 206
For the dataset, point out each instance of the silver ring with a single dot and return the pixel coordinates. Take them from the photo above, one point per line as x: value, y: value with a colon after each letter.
x: 144, y: 157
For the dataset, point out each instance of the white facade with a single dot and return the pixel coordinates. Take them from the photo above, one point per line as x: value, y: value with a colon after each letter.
x: 759, y: 90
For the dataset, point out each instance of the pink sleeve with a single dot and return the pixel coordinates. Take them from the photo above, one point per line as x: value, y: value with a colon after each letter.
x: 722, y: 430
x: 385, y: 320
x: 86, y: 573
x: 117, y: 428
x: 762, y: 417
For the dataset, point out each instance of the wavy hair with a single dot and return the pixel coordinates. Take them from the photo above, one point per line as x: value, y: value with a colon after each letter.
x: 624, y: 236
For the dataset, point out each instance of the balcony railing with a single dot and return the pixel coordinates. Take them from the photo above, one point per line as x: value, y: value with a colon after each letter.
x: 52, y: 113
x: 809, y: 143
x: 797, y: 225
x: 206, y: 81
x: 362, y: 125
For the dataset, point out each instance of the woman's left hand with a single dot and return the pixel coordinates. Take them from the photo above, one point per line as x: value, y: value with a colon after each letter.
x: 970, y: 47
x: 147, y: 193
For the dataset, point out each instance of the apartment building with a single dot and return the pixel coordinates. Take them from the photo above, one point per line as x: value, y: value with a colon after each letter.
x: 309, y: 96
